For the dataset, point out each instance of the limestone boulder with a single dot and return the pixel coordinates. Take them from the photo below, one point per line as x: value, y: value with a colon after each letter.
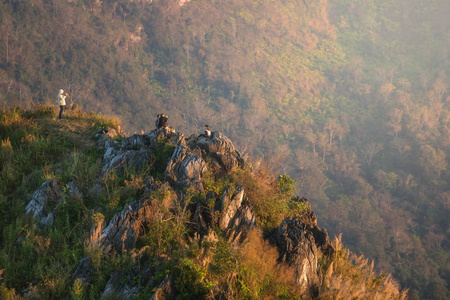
x: 131, y: 159
x: 84, y: 270
x: 297, y: 247
x: 232, y: 213
x: 221, y: 150
x: 134, y: 151
x: 236, y: 214
x: 44, y: 201
x: 125, y: 227
x: 185, y: 168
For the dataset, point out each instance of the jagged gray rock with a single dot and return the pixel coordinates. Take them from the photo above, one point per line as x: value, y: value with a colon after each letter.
x: 297, y: 248
x: 117, y: 288
x: 232, y: 214
x: 221, y: 150
x: 136, y: 159
x: 165, y: 290
x: 84, y: 270
x: 73, y: 191
x: 122, y: 232
x: 133, y: 151
x: 185, y: 168
x: 321, y: 237
x: 237, y: 214
x: 43, y: 202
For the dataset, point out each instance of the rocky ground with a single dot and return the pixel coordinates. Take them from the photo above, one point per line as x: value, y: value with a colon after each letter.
x: 298, y: 240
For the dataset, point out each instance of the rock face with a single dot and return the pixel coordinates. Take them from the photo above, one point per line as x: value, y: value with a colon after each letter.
x: 298, y: 240
x: 134, y: 151
x: 235, y: 214
x: 43, y: 201
x: 122, y: 232
x: 185, y: 168
x: 221, y: 150
x: 298, y: 249
x: 231, y: 213
x: 298, y: 245
x: 187, y: 163
x: 84, y: 270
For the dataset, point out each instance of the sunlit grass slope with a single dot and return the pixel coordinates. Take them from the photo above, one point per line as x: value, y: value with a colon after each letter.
x: 37, y: 262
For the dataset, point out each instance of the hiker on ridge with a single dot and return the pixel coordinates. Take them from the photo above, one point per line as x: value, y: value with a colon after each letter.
x: 157, y: 120
x: 207, y: 133
x: 62, y: 102
x: 162, y: 121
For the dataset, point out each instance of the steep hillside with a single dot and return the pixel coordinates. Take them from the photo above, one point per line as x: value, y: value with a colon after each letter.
x: 88, y: 213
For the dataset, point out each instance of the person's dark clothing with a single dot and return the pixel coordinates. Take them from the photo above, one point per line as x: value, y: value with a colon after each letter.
x: 157, y: 121
x: 61, y: 110
x: 162, y: 121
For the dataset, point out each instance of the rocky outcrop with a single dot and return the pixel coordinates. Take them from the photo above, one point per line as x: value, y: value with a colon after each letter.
x: 133, y: 152
x: 298, y: 240
x: 221, y: 151
x: 185, y: 168
x: 127, y: 226
x: 186, y: 164
x: 122, y: 232
x: 136, y: 160
x: 236, y: 215
x: 118, y: 288
x: 298, y: 249
x: 44, y: 201
x: 232, y: 214
x: 165, y: 290
x: 298, y: 245
x: 84, y: 270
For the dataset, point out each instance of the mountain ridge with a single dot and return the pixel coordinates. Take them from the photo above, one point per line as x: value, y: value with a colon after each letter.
x: 114, y: 216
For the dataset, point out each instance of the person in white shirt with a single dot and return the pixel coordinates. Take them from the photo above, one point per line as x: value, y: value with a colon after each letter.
x: 207, y: 131
x: 62, y: 102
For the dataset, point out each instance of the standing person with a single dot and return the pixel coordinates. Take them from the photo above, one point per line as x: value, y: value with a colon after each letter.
x: 162, y: 121
x: 62, y: 102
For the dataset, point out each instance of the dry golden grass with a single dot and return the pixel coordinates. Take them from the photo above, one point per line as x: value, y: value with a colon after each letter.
x: 351, y: 277
x: 6, y: 151
x: 261, y: 190
x: 262, y: 274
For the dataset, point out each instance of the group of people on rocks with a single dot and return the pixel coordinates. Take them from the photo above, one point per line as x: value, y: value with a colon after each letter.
x: 161, y: 119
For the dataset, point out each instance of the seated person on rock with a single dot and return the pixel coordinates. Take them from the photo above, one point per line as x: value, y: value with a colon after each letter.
x: 162, y: 121
x: 207, y: 133
x: 157, y: 120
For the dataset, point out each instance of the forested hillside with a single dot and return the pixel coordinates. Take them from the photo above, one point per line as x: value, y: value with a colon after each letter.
x: 348, y: 97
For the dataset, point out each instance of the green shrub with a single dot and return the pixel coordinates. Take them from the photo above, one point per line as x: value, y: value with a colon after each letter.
x: 286, y: 185
x: 190, y: 281
x: 161, y: 157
